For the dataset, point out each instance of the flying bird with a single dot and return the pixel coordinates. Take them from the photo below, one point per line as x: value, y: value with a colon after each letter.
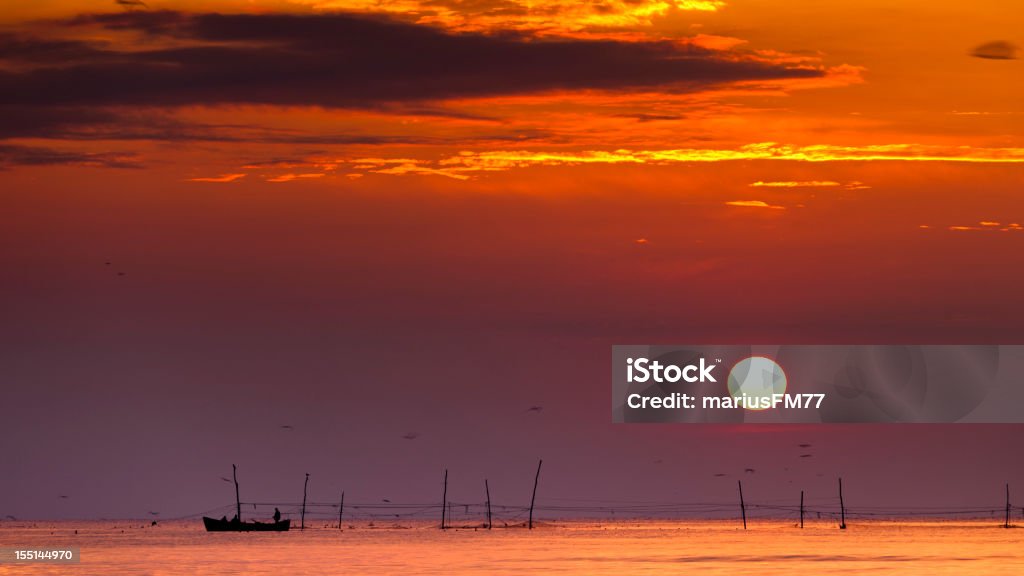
x: 719, y: 475
x: 132, y: 4
x: 749, y: 470
x: 9, y: 517
x: 806, y: 455
x: 287, y: 427
x: 154, y: 513
x: 385, y: 500
x: 63, y: 496
x: 411, y: 435
x: 225, y: 479
x: 804, y: 445
x: 535, y: 409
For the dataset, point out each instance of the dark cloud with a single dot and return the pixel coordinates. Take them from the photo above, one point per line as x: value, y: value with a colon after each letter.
x: 24, y: 50
x: 130, y: 85
x: 998, y: 50
x: 335, y: 60
x: 651, y: 117
x: 14, y: 155
x: 119, y: 123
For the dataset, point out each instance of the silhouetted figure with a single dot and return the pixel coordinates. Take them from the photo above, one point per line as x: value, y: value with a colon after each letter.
x: 277, y: 515
x: 234, y: 519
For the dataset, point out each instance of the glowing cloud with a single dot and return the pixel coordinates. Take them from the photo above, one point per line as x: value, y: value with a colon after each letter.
x: 807, y: 184
x: 492, y: 161
x: 753, y: 204
x: 223, y: 178
x: 291, y: 177
x: 553, y: 16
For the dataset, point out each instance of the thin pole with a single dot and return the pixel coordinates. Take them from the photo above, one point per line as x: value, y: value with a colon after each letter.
x: 487, y: 489
x: 444, y: 497
x: 238, y: 502
x: 534, y: 497
x: 743, y: 506
x: 842, y: 507
x: 304, y: 487
x: 341, y: 508
x: 1007, y: 525
x: 801, y: 508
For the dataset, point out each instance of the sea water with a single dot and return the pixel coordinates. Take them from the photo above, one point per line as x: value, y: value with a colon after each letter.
x: 572, y: 547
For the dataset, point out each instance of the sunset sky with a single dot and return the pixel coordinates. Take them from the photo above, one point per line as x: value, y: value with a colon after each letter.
x: 369, y: 218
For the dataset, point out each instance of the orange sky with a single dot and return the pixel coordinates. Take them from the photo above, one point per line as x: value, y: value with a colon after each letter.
x: 205, y: 199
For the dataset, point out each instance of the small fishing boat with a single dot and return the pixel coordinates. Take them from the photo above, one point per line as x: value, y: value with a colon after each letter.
x: 225, y: 525
x: 237, y: 525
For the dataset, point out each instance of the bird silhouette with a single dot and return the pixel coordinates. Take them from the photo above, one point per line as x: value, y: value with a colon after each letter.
x: 9, y: 517
x: 804, y: 445
x: 535, y: 409
x: 154, y: 513
x: 287, y: 427
x: 411, y: 435
x: 720, y: 474
x: 63, y: 496
x: 385, y: 500
x: 806, y: 455
x: 225, y: 479
x: 749, y: 470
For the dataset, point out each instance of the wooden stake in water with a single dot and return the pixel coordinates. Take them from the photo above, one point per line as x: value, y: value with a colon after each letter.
x: 1007, y: 524
x: 842, y: 507
x: 534, y: 497
x: 304, y: 487
x: 238, y: 503
x: 743, y: 506
x: 341, y: 508
x: 487, y: 489
x: 801, y: 508
x: 444, y: 497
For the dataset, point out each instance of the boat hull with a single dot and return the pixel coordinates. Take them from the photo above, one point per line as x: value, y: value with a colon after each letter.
x: 215, y: 525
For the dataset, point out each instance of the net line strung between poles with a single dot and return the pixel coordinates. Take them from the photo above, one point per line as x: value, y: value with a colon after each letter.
x: 474, y: 513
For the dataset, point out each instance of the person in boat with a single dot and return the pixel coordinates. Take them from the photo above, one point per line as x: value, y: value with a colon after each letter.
x: 277, y: 515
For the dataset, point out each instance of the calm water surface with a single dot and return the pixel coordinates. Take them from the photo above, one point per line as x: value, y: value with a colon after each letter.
x: 704, y: 547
